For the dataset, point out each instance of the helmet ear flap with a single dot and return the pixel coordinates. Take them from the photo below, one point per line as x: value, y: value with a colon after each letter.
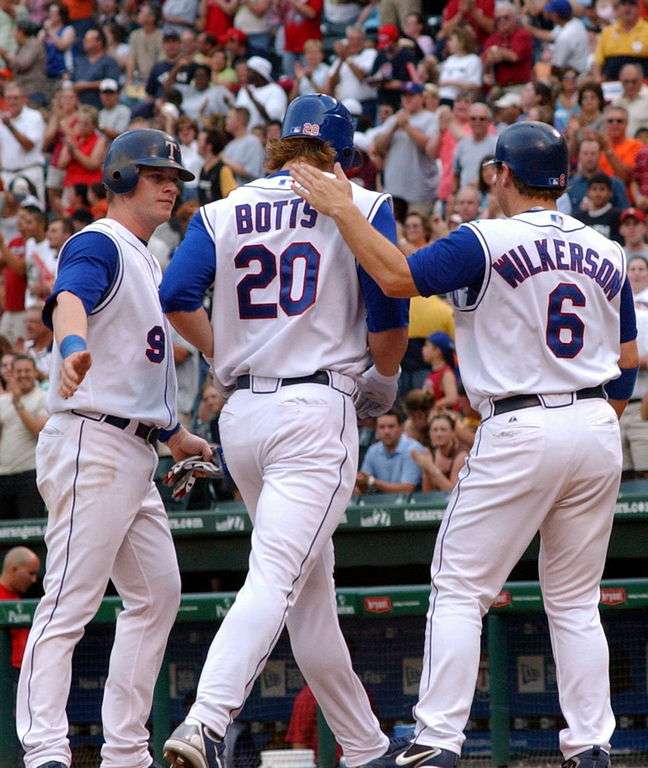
x: 122, y: 179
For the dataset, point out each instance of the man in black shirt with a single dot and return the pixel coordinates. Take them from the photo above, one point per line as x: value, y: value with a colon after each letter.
x: 157, y: 76
x: 600, y: 215
x: 394, y: 66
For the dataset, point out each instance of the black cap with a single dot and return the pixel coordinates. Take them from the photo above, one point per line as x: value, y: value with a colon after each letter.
x: 600, y: 178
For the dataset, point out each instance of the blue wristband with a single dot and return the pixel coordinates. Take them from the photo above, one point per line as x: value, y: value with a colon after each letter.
x: 166, y: 434
x: 621, y: 387
x: 72, y: 343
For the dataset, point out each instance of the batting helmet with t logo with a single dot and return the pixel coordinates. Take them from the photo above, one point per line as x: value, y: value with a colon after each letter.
x: 142, y: 147
x: 321, y: 117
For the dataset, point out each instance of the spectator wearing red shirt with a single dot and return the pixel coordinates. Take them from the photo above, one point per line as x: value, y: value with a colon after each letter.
x: 19, y: 571
x: 477, y: 14
x: 301, y: 20
x: 14, y: 273
x: 438, y: 353
x: 215, y: 16
x: 508, y: 52
x: 639, y: 184
x: 83, y: 152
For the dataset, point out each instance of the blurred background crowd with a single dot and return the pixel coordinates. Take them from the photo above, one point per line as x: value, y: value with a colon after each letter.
x: 430, y: 85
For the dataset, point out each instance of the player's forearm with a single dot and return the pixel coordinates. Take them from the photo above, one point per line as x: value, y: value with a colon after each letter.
x: 195, y: 328
x: 69, y: 317
x: 384, y: 487
x: 387, y: 349
x: 382, y: 260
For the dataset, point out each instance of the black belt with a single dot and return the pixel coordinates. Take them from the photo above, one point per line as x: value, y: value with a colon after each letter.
x: 516, y: 402
x: 319, y: 377
x: 146, y: 432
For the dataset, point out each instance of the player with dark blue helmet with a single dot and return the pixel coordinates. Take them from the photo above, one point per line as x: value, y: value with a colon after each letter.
x: 292, y: 323
x: 112, y: 396
x: 545, y: 338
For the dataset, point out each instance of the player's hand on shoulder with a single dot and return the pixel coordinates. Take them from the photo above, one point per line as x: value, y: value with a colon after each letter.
x: 327, y: 195
x: 73, y: 371
x: 184, y: 444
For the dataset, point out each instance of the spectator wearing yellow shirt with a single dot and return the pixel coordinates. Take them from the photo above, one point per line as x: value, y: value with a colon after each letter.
x: 624, y: 42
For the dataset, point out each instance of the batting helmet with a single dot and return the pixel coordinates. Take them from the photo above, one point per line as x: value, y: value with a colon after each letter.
x: 316, y: 116
x: 142, y: 147
x: 536, y: 153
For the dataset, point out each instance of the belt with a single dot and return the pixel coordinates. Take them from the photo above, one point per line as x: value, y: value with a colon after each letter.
x: 516, y: 402
x: 24, y: 168
x: 147, y: 432
x: 319, y: 377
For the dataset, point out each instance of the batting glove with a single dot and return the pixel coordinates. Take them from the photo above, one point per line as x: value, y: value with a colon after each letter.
x: 183, y: 474
x: 375, y: 393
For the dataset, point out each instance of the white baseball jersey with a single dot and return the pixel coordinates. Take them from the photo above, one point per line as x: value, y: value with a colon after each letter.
x: 555, y: 297
x: 291, y: 267
x: 133, y: 350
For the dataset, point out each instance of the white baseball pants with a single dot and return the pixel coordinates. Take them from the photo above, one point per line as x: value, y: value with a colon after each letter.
x: 293, y: 454
x: 556, y: 470
x: 106, y: 521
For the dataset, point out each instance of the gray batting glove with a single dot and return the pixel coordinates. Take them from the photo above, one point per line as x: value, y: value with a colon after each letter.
x: 375, y: 393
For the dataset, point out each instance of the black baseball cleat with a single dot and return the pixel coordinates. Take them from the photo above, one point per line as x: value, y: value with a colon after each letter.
x: 410, y: 755
x: 595, y: 757
x: 194, y: 745
x: 53, y: 764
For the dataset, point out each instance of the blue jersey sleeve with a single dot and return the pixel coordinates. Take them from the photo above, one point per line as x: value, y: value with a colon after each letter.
x: 627, y: 317
x: 88, y: 267
x: 453, y: 262
x: 383, y: 313
x: 191, y: 271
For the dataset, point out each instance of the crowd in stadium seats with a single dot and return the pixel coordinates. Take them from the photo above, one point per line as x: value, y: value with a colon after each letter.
x: 430, y: 84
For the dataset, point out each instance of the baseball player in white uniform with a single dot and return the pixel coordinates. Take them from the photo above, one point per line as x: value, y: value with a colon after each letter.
x: 289, y: 334
x: 112, y: 396
x: 545, y: 332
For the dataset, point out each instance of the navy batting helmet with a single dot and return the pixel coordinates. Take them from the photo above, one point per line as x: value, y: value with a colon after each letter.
x: 316, y: 116
x: 133, y: 149
x: 536, y: 153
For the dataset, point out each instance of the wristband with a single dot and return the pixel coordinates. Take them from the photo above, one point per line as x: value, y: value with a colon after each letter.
x: 621, y: 387
x: 167, y: 434
x: 377, y: 376
x: 72, y: 343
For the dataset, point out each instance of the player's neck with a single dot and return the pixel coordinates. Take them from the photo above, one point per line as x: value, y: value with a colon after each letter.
x: 132, y: 220
x: 523, y: 203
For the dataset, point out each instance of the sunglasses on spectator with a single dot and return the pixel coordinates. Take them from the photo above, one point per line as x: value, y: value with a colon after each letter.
x: 479, y: 118
x: 631, y: 80
x: 615, y: 120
